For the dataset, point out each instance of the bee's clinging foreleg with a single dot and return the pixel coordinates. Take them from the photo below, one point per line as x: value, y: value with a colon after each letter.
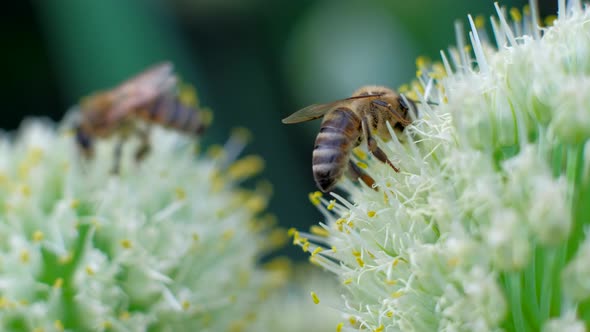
x: 374, y: 148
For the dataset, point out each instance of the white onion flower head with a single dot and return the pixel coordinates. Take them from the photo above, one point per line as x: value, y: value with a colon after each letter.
x: 485, y: 227
x: 167, y: 245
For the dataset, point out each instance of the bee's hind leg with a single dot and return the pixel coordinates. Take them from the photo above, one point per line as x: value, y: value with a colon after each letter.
x: 374, y: 148
x: 144, y: 144
x: 117, y: 157
x: 355, y: 172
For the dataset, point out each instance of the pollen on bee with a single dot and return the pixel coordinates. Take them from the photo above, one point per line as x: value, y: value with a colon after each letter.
x: 315, y: 298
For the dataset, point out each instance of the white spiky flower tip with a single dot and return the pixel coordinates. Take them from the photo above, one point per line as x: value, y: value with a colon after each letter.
x: 484, y: 228
x: 167, y: 245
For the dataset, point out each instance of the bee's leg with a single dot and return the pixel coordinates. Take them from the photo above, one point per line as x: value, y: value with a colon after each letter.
x: 356, y: 172
x: 117, y: 157
x: 144, y: 144
x: 372, y: 145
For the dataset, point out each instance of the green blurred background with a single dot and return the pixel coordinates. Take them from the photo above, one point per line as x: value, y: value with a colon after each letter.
x: 252, y: 61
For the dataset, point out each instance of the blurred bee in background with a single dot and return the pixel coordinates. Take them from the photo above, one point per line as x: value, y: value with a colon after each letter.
x: 346, y: 123
x: 151, y: 97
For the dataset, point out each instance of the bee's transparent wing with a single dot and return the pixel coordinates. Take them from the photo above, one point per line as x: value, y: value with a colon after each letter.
x: 143, y: 89
x: 308, y: 113
x: 315, y: 111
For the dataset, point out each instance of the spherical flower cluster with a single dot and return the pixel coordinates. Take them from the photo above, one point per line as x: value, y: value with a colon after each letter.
x: 168, y: 244
x: 484, y: 228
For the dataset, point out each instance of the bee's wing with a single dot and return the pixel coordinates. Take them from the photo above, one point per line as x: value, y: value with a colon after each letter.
x: 308, y: 113
x: 315, y: 111
x: 142, y: 89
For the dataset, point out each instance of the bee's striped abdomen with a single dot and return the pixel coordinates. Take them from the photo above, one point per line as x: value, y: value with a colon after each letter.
x: 169, y: 112
x: 338, y: 135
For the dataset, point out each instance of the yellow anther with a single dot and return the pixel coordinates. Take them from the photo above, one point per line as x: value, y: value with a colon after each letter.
x: 352, y: 320
x: 362, y: 165
x: 397, y: 294
x: 126, y: 244
x: 58, y: 325
x: 305, y: 247
x: 277, y: 238
x: 66, y: 259
x: 215, y: 151
x: 256, y: 203
x: 331, y: 205
x: 347, y: 281
x: 422, y: 61
x: 180, y: 194
x: 292, y: 231
x: 314, y: 198
x: 316, y: 251
x: 107, y: 325
x: 206, y: 117
x: 38, y: 236
x: 24, y: 256
x: 246, y: 167
x: 350, y: 224
x: 125, y: 315
x: 319, y: 231
x: 315, y: 297
x: 25, y: 190
x: 187, y: 94
x: 391, y: 282
x: 515, y: 14
x: 549, y: 20
x: 526, y: 10
x: 480, y: 22
x: 278, y: 264
x: 74, y: 203
x: 313, y: 260
x: 454, y: 261
x: 370, y: 254
x: 403, y: 88
x: 339, y: 327
x: 356, y: 253
x: 360, y: 262
x: 333, y: 248
x: 58, y: 283
x: 389, y: 314
x: 371, y: 214
x: 359, y: 153
x: 186, y: 305
x: 438, y: 71
x: 228, y: 234
x: 242, y: 134
x: 380, y: 328
x: 195, y: 237
x: 90, y: 271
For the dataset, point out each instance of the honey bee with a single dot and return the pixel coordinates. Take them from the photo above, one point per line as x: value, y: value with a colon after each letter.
x: 346, y: 123
x: 150, y: 97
